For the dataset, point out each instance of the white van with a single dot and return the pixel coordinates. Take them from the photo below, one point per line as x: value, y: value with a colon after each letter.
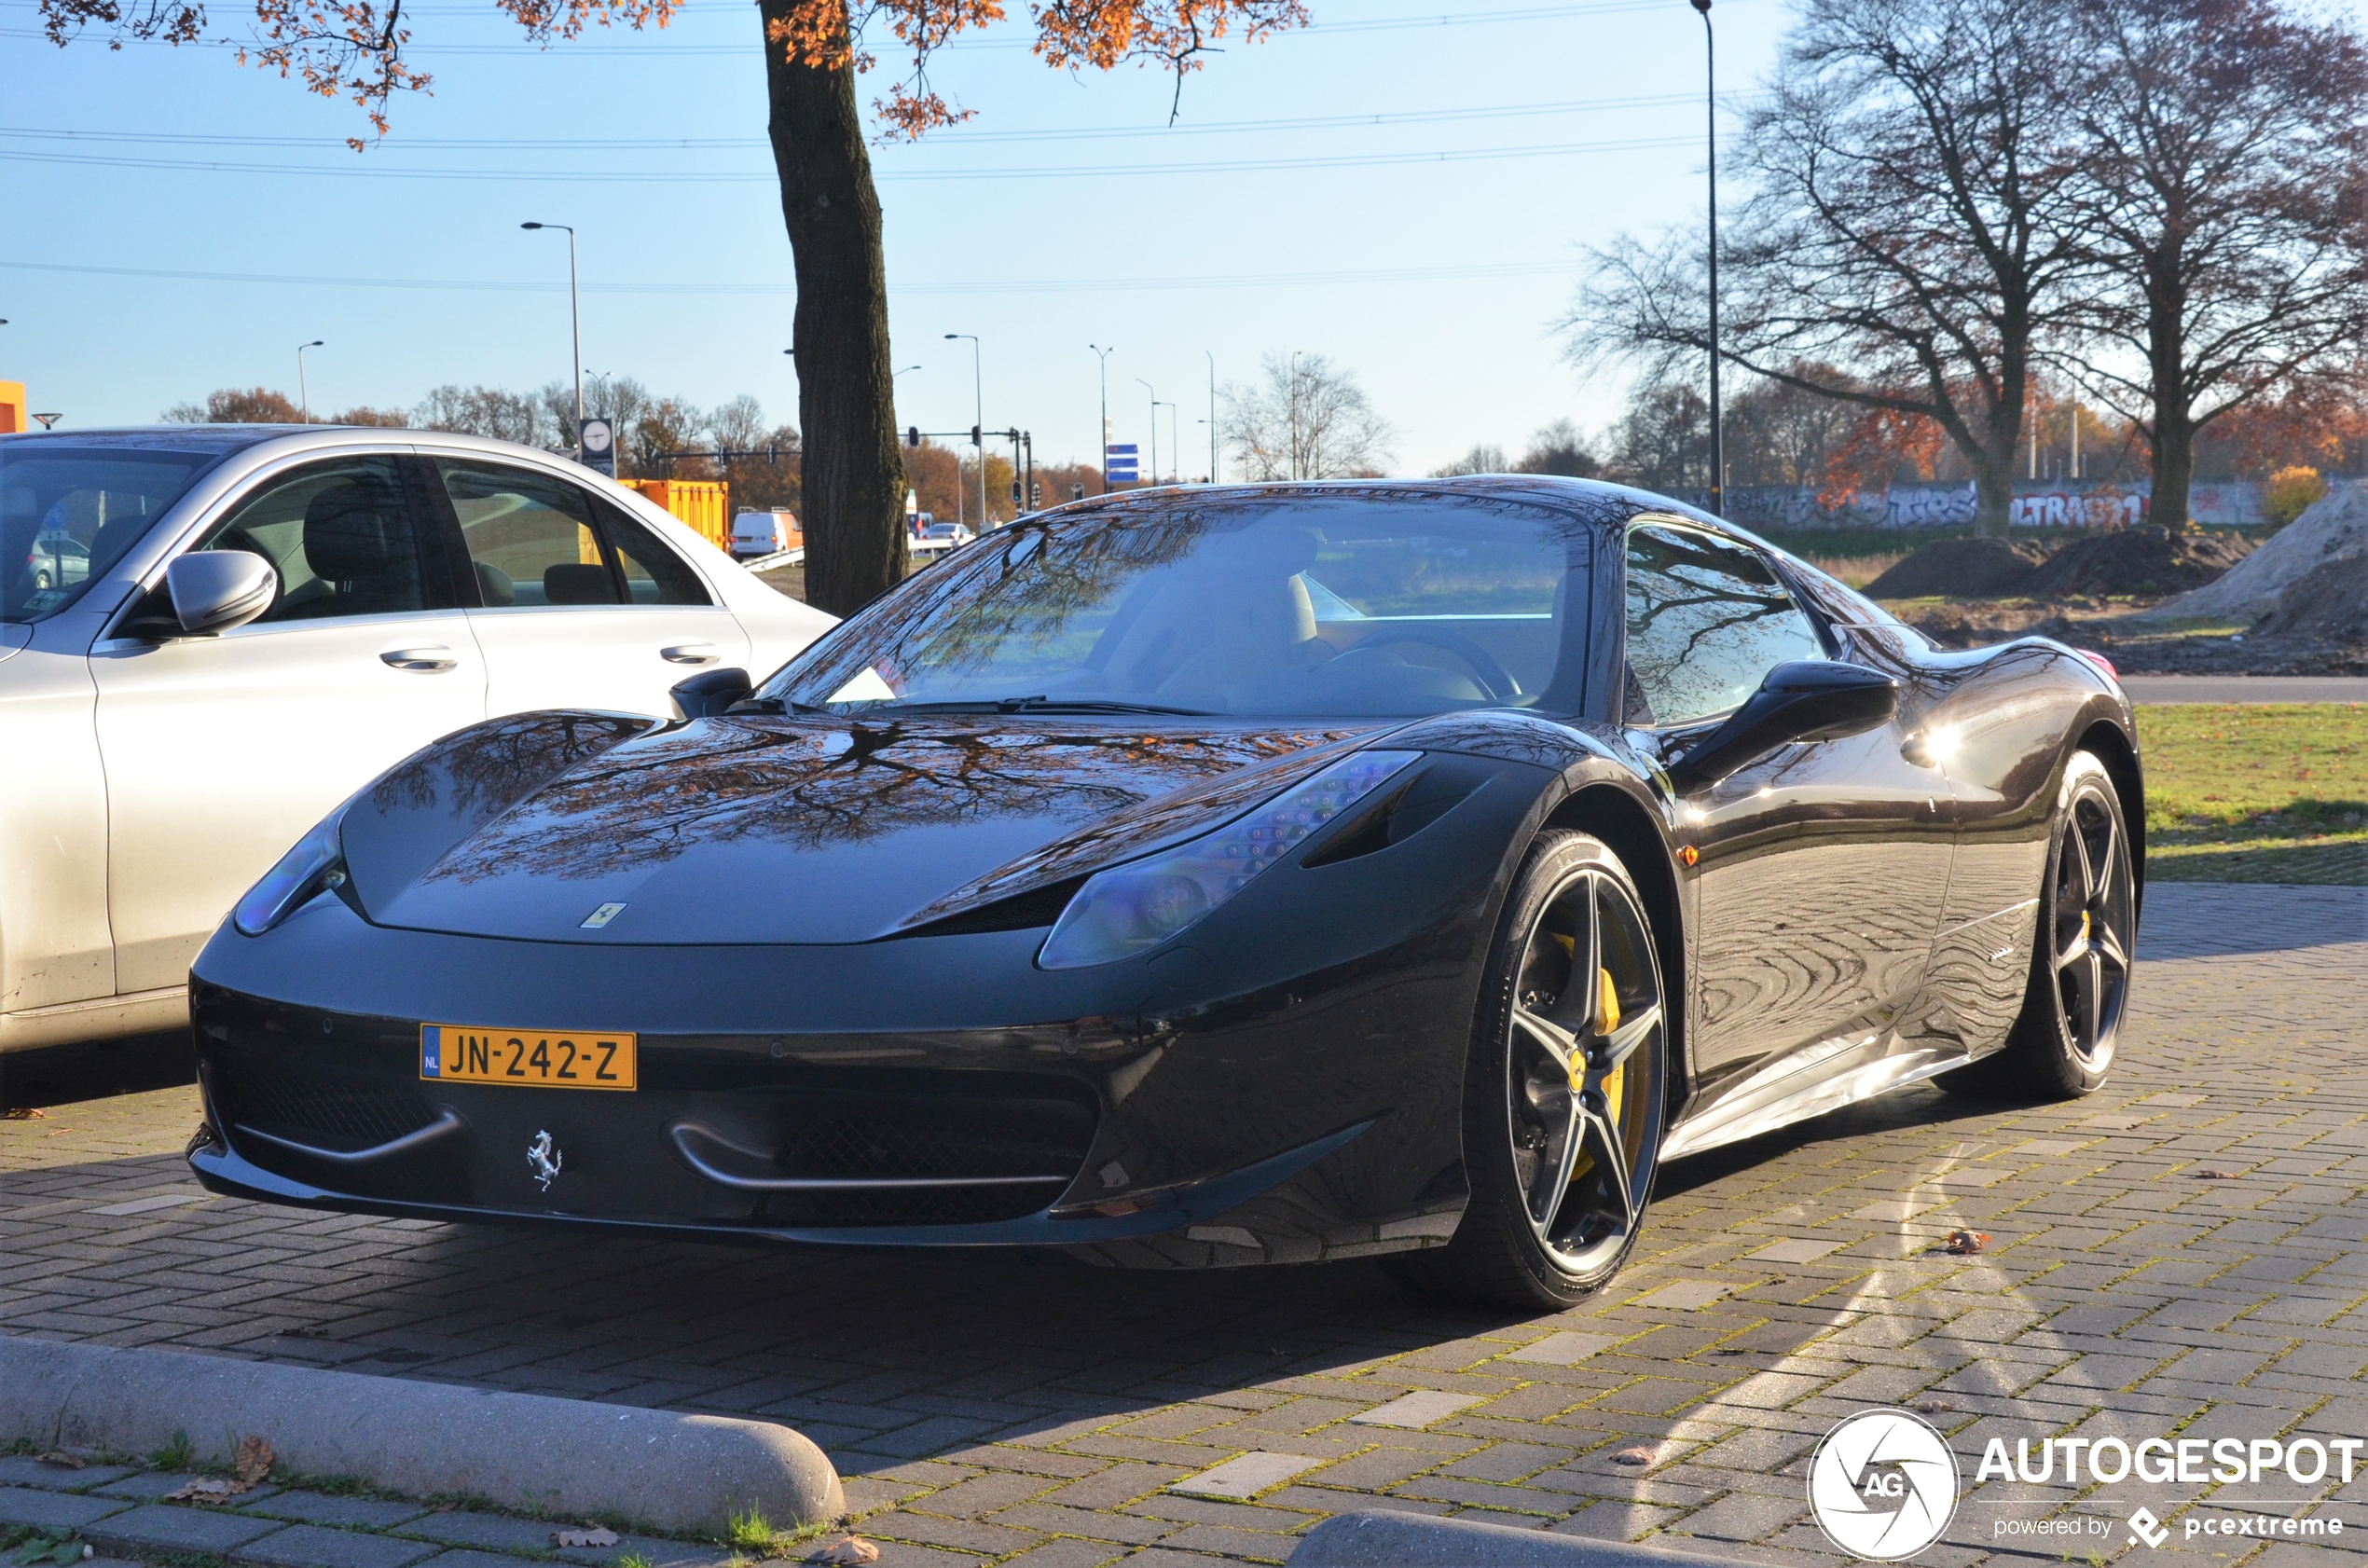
x: 765, y: 533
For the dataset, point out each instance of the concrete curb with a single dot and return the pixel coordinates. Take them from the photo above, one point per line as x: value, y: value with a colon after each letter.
x: 1394, y: 1540
x: 565, y: 1457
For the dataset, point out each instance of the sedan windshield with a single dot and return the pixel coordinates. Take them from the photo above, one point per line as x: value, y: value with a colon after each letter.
x: 67, y: 513
x: 1352, y: 603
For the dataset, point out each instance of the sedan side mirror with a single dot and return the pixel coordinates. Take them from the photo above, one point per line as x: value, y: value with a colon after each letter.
x: 214, y: 590
x: 1812, y: 699
x: 710, y: 691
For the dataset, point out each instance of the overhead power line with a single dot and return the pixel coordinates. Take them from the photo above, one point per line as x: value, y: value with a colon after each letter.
x: 1057, y: 286
x: 767, y: 176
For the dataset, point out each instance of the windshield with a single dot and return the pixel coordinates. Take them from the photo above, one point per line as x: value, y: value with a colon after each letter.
x: 67, y: 513
x: 1294, y: 605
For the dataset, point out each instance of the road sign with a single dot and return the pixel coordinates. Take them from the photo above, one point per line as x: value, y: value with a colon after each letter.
x: 1120, y: 463
x: 595, y: 444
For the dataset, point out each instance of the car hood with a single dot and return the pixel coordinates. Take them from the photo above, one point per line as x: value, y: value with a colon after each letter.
x: 771, y: 829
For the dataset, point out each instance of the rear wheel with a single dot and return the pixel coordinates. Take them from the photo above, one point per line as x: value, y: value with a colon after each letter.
x: 1564, y: 1089
x: 2063, y: 1041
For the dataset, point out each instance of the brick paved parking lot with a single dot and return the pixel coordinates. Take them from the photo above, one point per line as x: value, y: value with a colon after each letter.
x: 1006, y: 1410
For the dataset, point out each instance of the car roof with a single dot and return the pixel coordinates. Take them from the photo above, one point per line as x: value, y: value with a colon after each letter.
x: 218, y: 440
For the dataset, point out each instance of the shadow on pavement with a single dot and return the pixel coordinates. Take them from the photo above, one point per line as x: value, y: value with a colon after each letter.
x: 59, y: 1074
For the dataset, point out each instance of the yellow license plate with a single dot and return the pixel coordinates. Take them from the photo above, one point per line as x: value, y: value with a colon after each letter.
x: 528, y: 1058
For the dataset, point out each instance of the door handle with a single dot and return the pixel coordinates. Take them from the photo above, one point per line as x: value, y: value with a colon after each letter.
x: 423, y: 658
x: 690, y: 652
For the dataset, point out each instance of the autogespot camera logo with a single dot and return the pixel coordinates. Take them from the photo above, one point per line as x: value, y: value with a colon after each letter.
x: 1883, y: 1484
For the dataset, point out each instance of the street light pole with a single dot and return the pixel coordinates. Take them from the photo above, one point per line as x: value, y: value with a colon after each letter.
x: 978, y: 431
x: 303, y: 391
x: 1174, y: 442
x: 1104, y: 355
x: 575, y: 318
x: 1710, y: 98
x: 1155, y: 426
x: 1212, y: 414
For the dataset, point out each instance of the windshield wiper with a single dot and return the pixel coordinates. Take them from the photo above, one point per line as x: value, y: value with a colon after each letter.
x: 1036, y: 705
x: 1093, y: 705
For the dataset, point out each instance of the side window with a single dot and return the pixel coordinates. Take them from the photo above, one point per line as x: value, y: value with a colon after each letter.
x: 1707, y: 620
x: 339, y: 534
x: 654, y: 573
x: 530, y: 539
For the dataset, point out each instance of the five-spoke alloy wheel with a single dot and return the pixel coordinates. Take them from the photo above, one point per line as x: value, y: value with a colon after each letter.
x: 1567, y: 1088
x: 2088, y: 931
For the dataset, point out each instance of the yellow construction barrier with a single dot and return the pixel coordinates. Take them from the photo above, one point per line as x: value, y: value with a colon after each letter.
x: 706, y: 505
x: 12, y: 408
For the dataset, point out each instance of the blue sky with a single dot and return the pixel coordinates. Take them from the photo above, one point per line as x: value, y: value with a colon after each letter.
x: 1406, y: 195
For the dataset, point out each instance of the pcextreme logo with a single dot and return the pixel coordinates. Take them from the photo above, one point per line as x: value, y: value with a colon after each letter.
x: 1883, y: 1484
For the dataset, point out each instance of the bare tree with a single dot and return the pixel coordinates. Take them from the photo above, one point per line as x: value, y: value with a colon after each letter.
x: 1560, y: 448
x: 1305, y: 419
x: 1662, y: 442
x: 487, y: 411
x: 1778, y: 432
x: 2223, y: 188
x: 1482, y: 459
x: 1909, y: 221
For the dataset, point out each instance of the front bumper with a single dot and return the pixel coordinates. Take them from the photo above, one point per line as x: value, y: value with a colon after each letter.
x: 1286, y: 1087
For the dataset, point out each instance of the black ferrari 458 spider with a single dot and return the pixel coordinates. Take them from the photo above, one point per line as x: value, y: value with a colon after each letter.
x: 1203, y: 876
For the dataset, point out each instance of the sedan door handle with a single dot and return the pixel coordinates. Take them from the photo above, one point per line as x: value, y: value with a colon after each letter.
x: 425, y: 658
x: 691, y: 652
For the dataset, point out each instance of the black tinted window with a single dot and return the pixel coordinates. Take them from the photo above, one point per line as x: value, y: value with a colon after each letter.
x: 1707, y: 620
x: 340, y: 535
x: 68, y: 513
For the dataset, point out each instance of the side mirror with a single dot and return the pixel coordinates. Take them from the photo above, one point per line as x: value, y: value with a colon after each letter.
x: 214, y: 590
x: 1813, y: 699
x: 710, y: 691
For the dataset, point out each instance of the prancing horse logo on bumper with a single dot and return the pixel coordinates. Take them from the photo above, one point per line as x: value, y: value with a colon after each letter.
x: 543, y: 1158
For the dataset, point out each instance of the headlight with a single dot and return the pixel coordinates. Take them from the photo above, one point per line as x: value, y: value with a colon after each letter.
x: 1130, y: 908
x: 317, y: 861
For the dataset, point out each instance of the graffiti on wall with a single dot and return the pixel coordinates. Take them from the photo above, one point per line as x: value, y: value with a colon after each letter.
x: 2039, y: 504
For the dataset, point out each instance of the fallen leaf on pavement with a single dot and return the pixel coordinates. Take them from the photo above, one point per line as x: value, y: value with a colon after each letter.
x: 254, y: 1464
x: 855, y: 1548
x: 24, y: 1113
x: 590, y: 1535
x: 1935, y: 1407
x: 2215, y: 1175
x: 1964, y: 1243
x: 212, y: 1488
x: 65, y: 1459
x: 1641, y: 1455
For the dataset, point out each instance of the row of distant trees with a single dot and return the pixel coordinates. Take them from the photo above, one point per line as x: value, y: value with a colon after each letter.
x: 658, y: 437
x: 2162, y: 202
x: 1777, y: 433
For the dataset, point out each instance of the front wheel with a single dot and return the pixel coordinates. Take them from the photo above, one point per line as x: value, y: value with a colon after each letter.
x: 1565, y: 1089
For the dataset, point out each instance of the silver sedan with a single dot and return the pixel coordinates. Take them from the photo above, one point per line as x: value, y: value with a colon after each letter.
x: 210, y: 635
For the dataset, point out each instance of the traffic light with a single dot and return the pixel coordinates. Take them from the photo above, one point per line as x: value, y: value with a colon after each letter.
x: 1015, y: 493
x: 1077, y: 490
x: 974, y: 437
x: 912, y: 436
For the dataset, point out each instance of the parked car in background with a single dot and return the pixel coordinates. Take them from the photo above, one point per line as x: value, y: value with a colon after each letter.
x: 765, y: 533
x: 56, y: 560
x: 933, y: 538
x: 210, y: 635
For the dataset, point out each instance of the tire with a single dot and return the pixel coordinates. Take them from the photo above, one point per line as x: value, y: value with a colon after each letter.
x: 1559, y: 1172
x: 2062, y: 1043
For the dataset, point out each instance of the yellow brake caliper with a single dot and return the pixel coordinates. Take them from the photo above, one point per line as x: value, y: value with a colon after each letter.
x: 1615, y: 1082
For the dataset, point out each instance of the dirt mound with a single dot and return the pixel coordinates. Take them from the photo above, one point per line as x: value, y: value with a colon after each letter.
x: 2327, y: 605
x: 1953, y: 626
x: 2141, y: 561
x: 1960, y: 569
x: 2330, y: 528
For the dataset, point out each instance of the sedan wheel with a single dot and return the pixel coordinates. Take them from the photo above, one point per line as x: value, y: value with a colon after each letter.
x: 1564, y: 1092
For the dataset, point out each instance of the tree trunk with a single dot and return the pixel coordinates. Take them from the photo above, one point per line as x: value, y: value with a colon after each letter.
x: 1993, y: 493
x: 853, y: 472
x: 2174, y: 423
